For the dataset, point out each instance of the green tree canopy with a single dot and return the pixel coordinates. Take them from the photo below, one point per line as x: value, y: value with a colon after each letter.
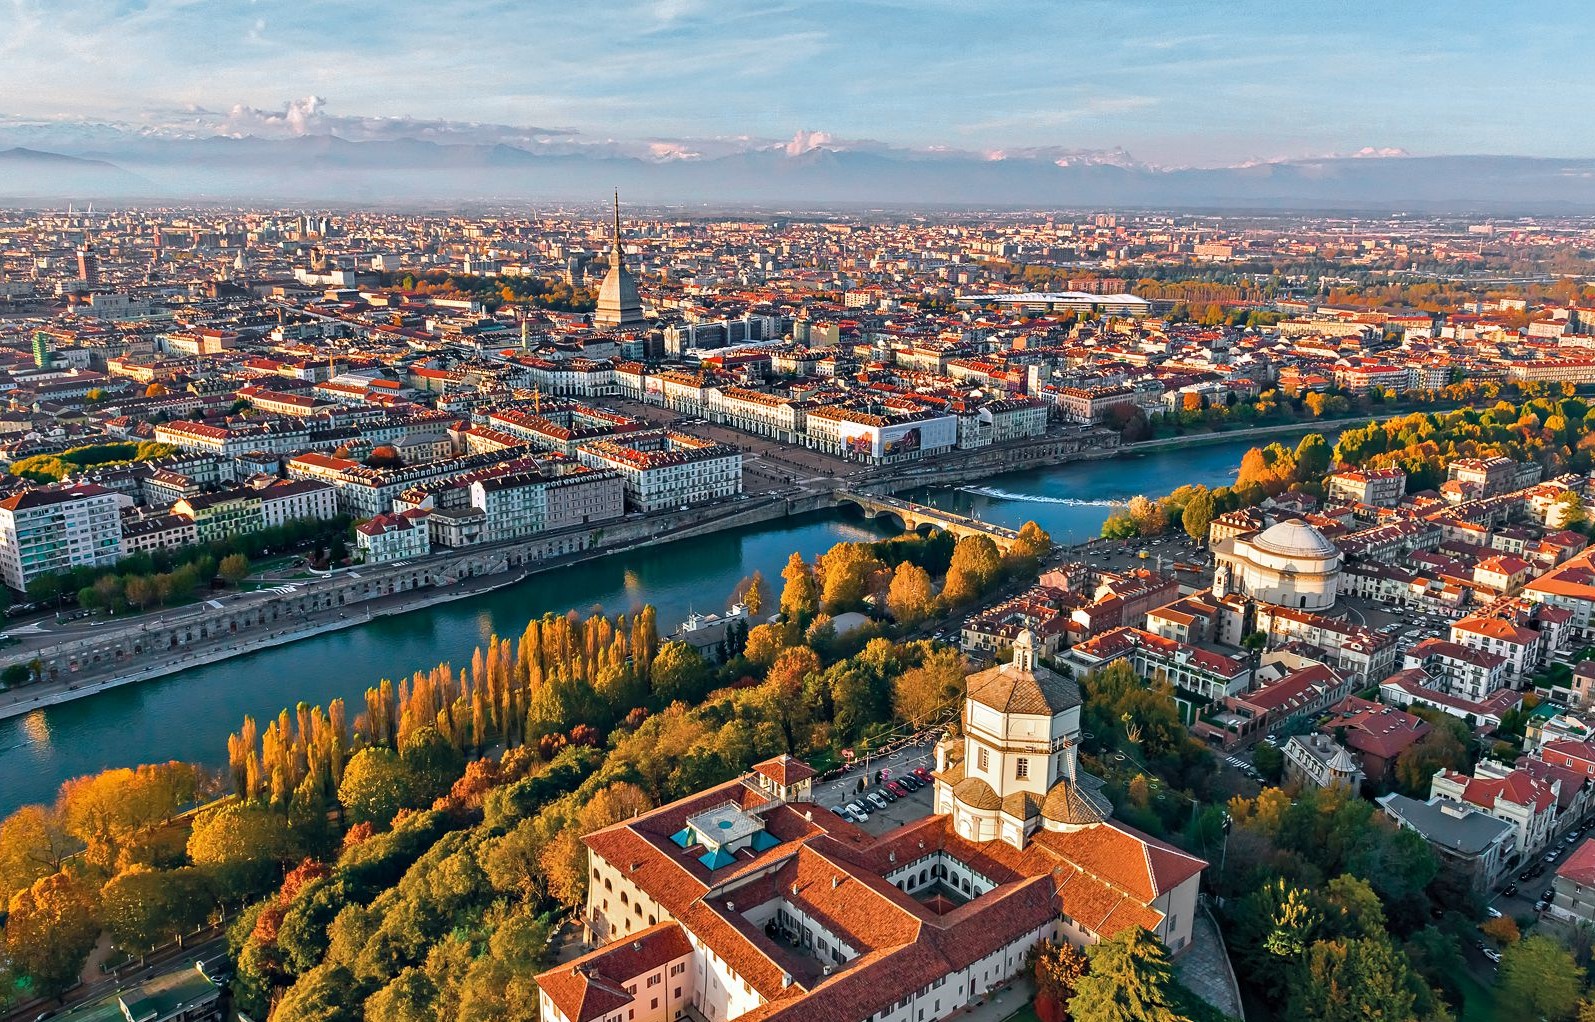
x: 1130, y: 980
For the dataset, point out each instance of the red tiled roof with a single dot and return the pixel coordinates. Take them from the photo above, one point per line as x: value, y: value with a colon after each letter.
x: 595, y: 984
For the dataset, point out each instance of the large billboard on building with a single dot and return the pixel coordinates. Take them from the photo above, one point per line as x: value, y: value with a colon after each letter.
x: 901, y: 439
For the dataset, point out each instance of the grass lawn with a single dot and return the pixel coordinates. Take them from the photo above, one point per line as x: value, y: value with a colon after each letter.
x: 1478, y: 1000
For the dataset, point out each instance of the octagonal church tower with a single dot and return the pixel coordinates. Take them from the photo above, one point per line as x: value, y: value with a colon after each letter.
x: 1019, y: 766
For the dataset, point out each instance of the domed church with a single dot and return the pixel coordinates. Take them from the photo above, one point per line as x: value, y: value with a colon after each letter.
x: 1019, y: 769
x: 619, y: 303
x: 1289, y: 564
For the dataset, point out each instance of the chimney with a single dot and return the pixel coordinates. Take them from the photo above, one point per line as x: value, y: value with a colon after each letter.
x: 636, y: 945
x: 836, y: 882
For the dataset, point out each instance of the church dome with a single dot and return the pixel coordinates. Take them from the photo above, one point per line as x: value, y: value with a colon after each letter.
x: 1013, y: 688
x: 976, y: 794
x: 1297, y: 540
x: 1071, y: 805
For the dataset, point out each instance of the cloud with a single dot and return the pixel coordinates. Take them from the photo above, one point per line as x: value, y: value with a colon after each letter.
x: 297, y: 118
x: 805, y: 141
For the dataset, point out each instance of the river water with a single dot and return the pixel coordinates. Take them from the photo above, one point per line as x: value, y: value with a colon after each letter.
x: 188, y: 715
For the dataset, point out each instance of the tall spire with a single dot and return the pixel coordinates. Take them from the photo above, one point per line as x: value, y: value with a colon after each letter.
x: 615, y: 253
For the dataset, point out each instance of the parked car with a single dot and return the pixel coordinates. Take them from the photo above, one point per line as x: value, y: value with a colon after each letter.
x: 876, y: 800
x: 922, y: 774
x: 888, y: 794
x: 838, y: 810
x: 897, y: 788
x: 1492, y: 954
x: 859, y: 813
x: 1547, y: 894
x: 1525, y: 876
x: 1509, y: 890
x: 1541, y: 906
x: 909, y: 782
x: 1494, y: 912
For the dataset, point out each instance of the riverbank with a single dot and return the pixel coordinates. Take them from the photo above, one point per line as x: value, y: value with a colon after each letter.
x: 46, y: 694
x: 90, y: 661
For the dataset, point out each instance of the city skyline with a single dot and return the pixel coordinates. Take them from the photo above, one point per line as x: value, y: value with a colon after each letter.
x: 670, y: 80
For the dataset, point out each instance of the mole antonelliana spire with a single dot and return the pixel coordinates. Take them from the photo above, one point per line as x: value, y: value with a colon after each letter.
x: 619, y: 304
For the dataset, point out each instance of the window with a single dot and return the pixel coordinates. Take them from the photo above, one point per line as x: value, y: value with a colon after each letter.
x: 1021, y: 768
x: 982, y: 758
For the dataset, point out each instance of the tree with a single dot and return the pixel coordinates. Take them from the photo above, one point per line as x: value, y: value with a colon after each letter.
x: 1313, y: 457
x: 753, y: 594
x: 909, y: 597
x: 921, y: 692
x: 1538, y: 980
x: 1269, y: 761
x: 156, y: 389
x: 139, y: 590
x: 46, y: 589
x: 1198, y: 514
x: 50, y: 932
x: 1415, y: 767
x: 1130, y: 980
x: 234, y: 568
x: 144, y: 907
x: 845, y: 571
x: 1365, y: 980
x: 327, y: 993
x: 1272, y: 926
x: 1119, y: 525
x: 1057, y: 969
x: 432, y: 762
x: 1502, y: 929
x: 242, y: 846
x: 384, y: 456
x: 679, y: 672
x: 1148, y: 515
x: 1032, y: 544
x: 765, y: 643
x: 376, y: 785
x: 800, y: 597
x: 33, y: 844
x: 976, y: 564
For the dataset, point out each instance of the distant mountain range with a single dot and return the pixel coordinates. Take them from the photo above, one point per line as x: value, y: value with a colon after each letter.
x: 112, y: 166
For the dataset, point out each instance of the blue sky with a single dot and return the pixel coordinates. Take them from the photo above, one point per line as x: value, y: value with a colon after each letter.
x: 1175, y: 83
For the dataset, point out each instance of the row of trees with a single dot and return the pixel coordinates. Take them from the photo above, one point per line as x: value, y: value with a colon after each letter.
x: 50, y: 468
x: 538, y: 292
x: 897, y: 575
x: 203, y: 558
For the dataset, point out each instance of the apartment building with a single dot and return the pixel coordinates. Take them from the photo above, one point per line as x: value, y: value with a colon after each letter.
x: 666, y: 469
x: 46, y: 531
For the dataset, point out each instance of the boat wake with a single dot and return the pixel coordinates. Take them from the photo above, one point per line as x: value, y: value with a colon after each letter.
x: 1032, y: 498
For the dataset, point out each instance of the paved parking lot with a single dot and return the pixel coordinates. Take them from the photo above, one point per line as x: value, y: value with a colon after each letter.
x: 845, y: 789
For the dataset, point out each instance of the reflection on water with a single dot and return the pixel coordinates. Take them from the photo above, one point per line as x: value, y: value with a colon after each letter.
x: 36, y: 726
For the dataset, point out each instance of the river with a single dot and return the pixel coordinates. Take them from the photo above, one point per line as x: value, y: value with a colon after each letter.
x: 188, y: 715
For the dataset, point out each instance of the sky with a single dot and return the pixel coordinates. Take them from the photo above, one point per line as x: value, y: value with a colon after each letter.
x: 1172, y: 82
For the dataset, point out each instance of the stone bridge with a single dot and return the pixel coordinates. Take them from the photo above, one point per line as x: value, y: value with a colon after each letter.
x: 915, y: 517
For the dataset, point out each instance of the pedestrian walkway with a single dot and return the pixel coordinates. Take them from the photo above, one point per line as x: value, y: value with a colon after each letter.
x: 1205, y: 969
